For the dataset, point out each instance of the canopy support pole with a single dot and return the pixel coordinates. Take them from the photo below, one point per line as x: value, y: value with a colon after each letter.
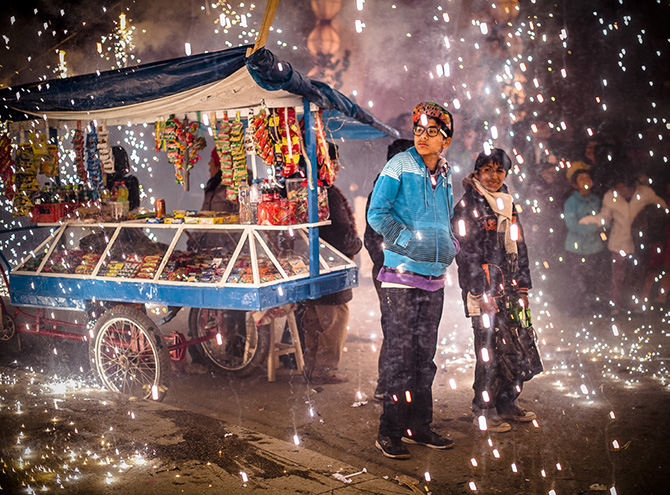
x: 312, y: 203
x: 263, y: 31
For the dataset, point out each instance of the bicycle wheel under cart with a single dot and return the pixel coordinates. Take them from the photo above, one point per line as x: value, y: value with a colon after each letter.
x: 129, y: 355
x: 230, y: 339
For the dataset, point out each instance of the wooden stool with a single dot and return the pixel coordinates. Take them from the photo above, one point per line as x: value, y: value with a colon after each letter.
x: 279, y: 349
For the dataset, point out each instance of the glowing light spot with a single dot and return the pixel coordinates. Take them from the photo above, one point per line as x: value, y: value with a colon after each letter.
x: 514, y: 232
x: 461, y: 228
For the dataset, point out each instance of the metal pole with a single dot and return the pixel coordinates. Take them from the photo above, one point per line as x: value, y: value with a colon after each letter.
x: 312, y: 203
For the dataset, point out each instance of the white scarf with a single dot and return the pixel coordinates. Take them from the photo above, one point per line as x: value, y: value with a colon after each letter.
x: 501, y: 203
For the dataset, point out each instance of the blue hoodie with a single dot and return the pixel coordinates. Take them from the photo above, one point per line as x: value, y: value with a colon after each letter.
x: 414, y: 218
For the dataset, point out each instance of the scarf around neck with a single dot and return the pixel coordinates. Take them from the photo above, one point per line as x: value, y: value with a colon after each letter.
x: 501, y: 203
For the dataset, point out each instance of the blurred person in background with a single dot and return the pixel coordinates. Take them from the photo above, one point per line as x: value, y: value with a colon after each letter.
x: 586, y: 256
x: 620, y: 206
x: 121, y: 174
x: 374, y: 244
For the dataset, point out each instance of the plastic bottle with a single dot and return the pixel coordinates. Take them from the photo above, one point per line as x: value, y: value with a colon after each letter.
x: 266, y: 192
x: 115, y: 192
x: 105, y: 195
x: 254, y: 199
x: 46, y: 195
x: 122, y: 196
x: 244, y: 199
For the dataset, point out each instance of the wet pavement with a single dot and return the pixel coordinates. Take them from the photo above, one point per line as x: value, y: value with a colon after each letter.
x: 601, y: 404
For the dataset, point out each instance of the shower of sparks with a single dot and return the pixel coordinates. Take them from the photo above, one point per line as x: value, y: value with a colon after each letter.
x: 530, y: 69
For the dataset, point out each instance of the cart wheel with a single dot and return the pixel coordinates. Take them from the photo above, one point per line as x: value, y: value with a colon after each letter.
x: 8, y: 329
x: 129, y: 355
x: 236, y: 344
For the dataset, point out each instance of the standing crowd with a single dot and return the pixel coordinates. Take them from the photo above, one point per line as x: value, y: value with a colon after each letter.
x: 605, y: 226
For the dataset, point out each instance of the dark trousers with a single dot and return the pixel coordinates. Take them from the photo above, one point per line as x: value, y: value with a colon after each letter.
x: 410, y: 319
x: 381, y: 382
x: 489, y: 377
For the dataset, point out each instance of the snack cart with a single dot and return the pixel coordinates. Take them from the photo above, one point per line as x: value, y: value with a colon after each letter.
x: 110, y: 270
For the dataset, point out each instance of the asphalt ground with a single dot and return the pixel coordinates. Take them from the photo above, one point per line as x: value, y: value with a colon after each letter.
x: 601, y: 404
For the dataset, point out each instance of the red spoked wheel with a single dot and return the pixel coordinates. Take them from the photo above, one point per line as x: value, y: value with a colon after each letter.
x: 176, y: 338
x: 129, y: 355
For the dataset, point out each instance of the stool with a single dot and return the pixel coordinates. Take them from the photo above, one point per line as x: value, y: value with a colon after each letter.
x: 279, y: 349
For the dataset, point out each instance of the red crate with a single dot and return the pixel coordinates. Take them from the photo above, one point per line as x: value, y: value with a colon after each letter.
x: 48, y: 213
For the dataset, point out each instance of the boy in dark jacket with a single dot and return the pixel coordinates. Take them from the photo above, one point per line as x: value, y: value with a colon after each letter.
x: 374, y: 243
x: 492, y: 268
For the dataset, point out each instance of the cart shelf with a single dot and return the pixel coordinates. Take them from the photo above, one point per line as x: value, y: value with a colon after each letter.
x: 230, y: 266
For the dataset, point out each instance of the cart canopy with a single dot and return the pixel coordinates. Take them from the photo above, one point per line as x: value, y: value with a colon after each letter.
x: 208, y: 82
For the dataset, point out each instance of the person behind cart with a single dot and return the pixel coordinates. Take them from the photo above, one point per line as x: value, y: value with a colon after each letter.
x: 215, y: 191
x: 325, y: 320
x: 374, y: 244
x: 120, y: 174
x: 492, y: 271
x: 215, y: 200
x: 411, y: 207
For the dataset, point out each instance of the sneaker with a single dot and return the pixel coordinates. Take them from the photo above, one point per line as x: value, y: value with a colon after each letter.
x: 391, y: 447
x: 492, y: 422
x: 429, y: 439
x: 518, y: 414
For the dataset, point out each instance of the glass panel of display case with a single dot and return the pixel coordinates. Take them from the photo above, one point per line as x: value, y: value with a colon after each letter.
x: 290, y: 249
x: 32, y: 263
x: 201, y: 255
x: 242, y: 271
x: 333, y: 259
x: 267, y: 266
x: 78, y: 250
x: 136, y: 252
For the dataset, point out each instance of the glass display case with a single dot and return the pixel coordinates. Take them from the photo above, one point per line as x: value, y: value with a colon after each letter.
x: 229, y: 266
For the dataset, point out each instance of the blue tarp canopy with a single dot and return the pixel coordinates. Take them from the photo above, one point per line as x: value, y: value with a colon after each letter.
x: 209, y: 82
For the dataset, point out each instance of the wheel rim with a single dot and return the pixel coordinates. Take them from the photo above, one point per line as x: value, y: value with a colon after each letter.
x: 8, y: 328
x: 230, y: 347
x: 127, y: 358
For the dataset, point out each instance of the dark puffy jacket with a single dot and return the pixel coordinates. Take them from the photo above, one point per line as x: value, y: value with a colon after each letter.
x: 482, y: 262
x: 342, y: 235
x: 372, y: 240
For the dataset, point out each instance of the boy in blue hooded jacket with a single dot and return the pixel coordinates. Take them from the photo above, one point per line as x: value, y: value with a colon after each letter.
x: 411, y: 207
